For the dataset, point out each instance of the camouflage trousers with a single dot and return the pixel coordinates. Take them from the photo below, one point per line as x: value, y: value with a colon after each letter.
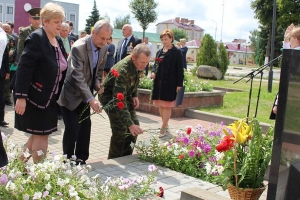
x: 7, y: 91
x: 121, y: 139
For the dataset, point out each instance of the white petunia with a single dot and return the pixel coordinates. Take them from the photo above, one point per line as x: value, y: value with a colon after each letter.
x: 132, y: 145
x: 48, y: 186
x: 47, y: 177
x: 40, y: 153
x: 26, y: 153
x: 208, y: 168
x: 37, y: 195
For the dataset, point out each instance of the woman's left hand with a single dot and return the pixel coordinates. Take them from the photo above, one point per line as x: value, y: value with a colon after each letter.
x: 20, y: 106
x: 136, y: 102
x: 177, y: 89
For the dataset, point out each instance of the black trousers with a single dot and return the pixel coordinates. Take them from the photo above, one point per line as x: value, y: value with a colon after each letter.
x: 76, y: 139
x: 2, y: 104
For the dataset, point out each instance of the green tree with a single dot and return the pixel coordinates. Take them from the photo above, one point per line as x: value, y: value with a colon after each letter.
x: 223, y: 59
x: 179, y: 34
x: 93, y: 18
x: 120, y: 21
x: 208, y: 52
x: 144, y: 12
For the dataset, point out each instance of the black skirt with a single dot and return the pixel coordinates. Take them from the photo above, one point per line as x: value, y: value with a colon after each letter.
x: 37, y: 121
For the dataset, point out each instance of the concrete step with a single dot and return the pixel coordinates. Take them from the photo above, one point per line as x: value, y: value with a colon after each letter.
x: 200, y: 194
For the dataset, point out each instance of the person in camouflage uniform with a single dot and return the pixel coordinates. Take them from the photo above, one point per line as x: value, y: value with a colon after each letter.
x: 124, y: 122
x: 11, y: 48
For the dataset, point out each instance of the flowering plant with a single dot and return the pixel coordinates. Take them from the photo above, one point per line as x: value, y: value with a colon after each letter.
x: 57, y: 177
x: 113, y: 73
x: 192, y: 151
x: 247, y: 154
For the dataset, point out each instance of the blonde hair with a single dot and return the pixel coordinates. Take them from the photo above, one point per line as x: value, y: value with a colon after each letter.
x: 183, y: 40
x: 296, y: 32
x: 52, y: 11
x: 168, y: 33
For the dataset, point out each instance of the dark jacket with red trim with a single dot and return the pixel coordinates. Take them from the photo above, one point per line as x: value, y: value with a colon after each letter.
x: 38, y: 70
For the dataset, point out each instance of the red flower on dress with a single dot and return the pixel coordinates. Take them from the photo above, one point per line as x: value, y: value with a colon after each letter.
x: 115, y: 73
x: 161, y: 192
x: 120, y: 105
x: 120, y: 96
x: 159, y: 60
x: 189, y: 130
x: 181, y: 156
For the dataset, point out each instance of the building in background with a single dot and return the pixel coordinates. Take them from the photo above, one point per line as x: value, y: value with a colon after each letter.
x: 192, y: 30
x: 240, y: 53
x: 16, y: 11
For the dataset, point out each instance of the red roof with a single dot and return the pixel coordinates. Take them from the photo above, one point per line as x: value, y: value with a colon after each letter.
x: 237, y: 47
x: 187, y: 26
x: 196, y: 42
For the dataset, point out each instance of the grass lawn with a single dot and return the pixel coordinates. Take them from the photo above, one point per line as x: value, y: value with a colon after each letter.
x: 235, y: 104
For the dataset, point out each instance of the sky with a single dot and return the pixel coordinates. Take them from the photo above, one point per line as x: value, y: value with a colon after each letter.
x: 233, y: 19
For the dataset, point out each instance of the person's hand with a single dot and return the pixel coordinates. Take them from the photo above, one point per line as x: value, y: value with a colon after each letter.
x: 135, y: 130
x: 99, y: 89
x: 177, y: 89
x: 136, y: 102
x: 11, y: 52
x: 275, y: 109
x: 7, y: 76
x: 287, y: 33
x: 95, y: 105
x: 20, y: 106
x: 152, y: 75
x: 16, y: 63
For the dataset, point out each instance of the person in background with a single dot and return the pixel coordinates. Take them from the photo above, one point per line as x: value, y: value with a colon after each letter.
x: 146, y: 41
x: 12, y: 48
x: 84, y: 75
x: 71, y: 30
x: 35, y: 21
x: 82, y: 34
x: 67, y: 39
x: 291, y: 41
x: 184, y: 50
x: 126, y: 45
x: 123, y: 121
x: 110, y: 56
x: 168, y: 78
x: 4, y: 72
x: 39, y: 71
x: 14, y: 65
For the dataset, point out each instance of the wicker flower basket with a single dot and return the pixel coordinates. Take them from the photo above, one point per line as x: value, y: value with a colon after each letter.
x: 244, y: 194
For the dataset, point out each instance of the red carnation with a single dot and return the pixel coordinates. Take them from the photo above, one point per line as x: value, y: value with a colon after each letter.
x: 189, y: 130
x: 120, y: 96
x: 225, y: 145
x: 161, y: 192
x: 115, y: 73
x: 159, y: 60
x: 181, y: 156
x: 120, y: 105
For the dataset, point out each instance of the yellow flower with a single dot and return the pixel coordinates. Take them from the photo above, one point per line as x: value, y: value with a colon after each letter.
x: 241, y: 131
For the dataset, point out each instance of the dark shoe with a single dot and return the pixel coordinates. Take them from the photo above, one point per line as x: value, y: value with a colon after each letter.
x: 8, y: 103
x: 59, y: 117
x: 3, y: 123
x: 80, y: 162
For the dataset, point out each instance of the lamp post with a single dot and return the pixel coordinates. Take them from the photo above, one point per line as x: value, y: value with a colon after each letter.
x: 215, y: 30
x: 257, y: 46
x: 247, y: 45
x: 222, y: 20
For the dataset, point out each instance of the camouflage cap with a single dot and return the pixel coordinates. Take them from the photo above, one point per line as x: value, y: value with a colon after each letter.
x: 35, y: 12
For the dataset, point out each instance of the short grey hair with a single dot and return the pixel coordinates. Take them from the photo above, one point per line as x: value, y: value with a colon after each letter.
x: 103, y: 23
x: 141, y: 48
x: 65, y: 25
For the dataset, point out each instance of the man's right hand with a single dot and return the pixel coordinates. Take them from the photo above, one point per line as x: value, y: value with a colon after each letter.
x: 135, y: 130
x: 95, y: 105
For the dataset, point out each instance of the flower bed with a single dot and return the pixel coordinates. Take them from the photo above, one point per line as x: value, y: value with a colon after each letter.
x: 59, y: 178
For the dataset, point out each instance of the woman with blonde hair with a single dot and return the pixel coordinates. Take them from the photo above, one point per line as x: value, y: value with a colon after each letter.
x: 37, y: 82
x: 168, y: 78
